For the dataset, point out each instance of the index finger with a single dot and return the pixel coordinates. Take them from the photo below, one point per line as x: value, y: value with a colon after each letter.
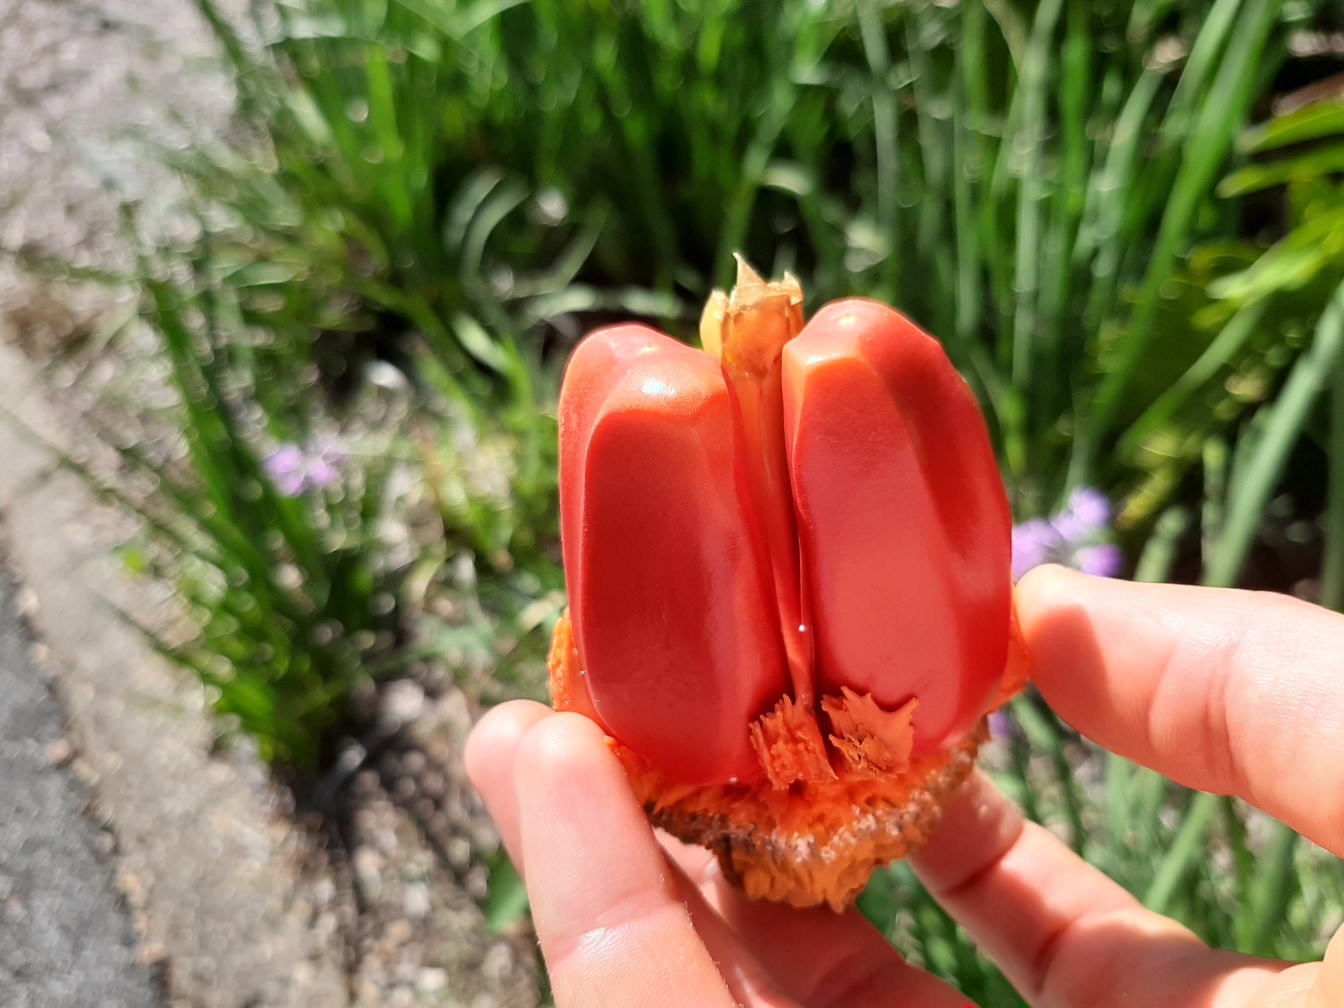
x: 607, y: 911
x: 1222, y: 690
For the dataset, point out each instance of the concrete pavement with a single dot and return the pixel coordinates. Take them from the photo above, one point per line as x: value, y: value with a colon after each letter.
x: 65, y: 937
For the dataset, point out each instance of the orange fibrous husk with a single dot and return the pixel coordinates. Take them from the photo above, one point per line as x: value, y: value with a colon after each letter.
x: 814, y: 828
x: 1017, y: 671
x: 872, y: 741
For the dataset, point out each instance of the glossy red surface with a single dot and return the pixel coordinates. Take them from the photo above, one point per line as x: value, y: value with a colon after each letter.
x: 901, y: 524
x: 904, y: 527
x: 674, y: 618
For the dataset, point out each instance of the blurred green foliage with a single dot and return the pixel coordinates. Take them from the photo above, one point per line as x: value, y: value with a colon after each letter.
x: 1143, y: 288
x: 1028, y: 181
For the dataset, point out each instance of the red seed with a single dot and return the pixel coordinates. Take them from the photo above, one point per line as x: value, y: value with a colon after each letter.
x: 675, y: 625
x: 904, y: 528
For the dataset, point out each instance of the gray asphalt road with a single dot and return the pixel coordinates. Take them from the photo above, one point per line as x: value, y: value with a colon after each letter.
x: 65, y: 941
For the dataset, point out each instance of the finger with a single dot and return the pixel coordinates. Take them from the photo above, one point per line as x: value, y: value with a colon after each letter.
x: 1063, y: 933
x: 1306, y: 985
x: 748, y: 980
x: 604, y: 900
x: 489, y: 759
x: 1227, y: 691
x: 1329, y: 986
x: 819, y: 957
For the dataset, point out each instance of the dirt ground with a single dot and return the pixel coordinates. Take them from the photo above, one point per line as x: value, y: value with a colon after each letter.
x: 232, y: 898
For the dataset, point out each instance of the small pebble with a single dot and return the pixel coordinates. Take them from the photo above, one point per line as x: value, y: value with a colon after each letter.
x: 403, y: 701
x: 497, y: 962
x: 458, y: 851
x: 398, y: 932
x: 431, y: 980
x: 416, y: 901
x: 60, y: 752
x: 413, y: 762
x: 477, y: 883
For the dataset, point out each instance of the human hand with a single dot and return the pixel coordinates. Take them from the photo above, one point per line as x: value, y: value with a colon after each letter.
x: 625, y: 923
x: 1224, y: 691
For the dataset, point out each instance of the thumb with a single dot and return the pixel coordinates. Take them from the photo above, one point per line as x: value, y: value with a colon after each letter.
x: 1328, y: 991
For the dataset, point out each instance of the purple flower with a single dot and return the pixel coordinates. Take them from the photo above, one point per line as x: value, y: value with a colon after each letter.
x: 325, y: 460
x: 285, y: 468
x: 294, y: 468
x: 1074, y: 537
x: 1103, y: 560
x: 1088, y: 512
x: 1035, y: 542
x: 1001, y: 725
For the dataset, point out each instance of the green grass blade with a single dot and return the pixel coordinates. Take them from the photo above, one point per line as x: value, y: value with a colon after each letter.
x: 1226, y: 345
x: 1288, y: 415
x: 1051, y: 393
x: 968, y: 156
x: 1045, y: 734
x: 1119, y: 819
x: 1190, y: 87
x: 1183, y: 854
x: 1159, y: 553
x: 1255, y: 177
x: 1027, y: 154
x: 1332, y: 566
x: 1223, y: 109
x: 1261, y: 914
x: 1215, y: 496
x: 1319, y: 119
x: 886, y: 141
x: 383, y: 118
x: 737, y: 216
x: 1104, y: 215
